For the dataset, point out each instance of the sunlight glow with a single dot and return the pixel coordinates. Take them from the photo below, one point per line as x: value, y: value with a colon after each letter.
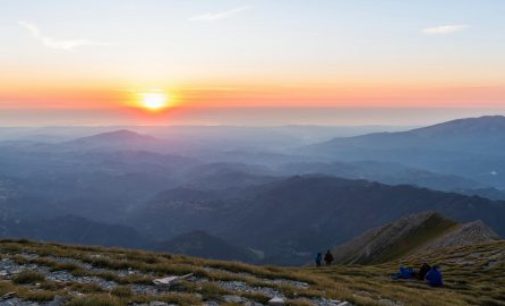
x: 154, y: 101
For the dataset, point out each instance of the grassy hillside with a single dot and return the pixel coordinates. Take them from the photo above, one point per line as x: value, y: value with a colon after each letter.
x: 394, y: 240
x: 435, y: 226
x: 73, y: 275
x: 409, y: 235
x: 473, y: 276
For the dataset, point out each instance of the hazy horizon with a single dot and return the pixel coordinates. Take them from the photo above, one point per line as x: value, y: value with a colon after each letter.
x: 253, y: 117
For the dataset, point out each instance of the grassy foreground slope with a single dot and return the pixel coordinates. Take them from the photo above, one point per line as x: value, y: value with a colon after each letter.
x: 74, y: 275
x: 474, y: 275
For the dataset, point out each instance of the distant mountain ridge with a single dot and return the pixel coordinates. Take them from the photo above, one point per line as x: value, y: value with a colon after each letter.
x: 116, y: 140
x: 409, y: 235
x: 78, y: 230
x: 465, y: 127
x: 471, y: 148
x: 119, y: 135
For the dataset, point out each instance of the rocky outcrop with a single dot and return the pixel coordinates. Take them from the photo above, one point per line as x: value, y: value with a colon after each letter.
x: 465, y: 234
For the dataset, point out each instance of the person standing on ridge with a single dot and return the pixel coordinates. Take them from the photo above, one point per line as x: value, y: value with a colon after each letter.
x: 319, y: 259
x: 423, y: 271
x: 328, y: 258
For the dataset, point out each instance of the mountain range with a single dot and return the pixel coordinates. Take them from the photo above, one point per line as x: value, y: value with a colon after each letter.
x: 289, y: 219
x: 261, y: 203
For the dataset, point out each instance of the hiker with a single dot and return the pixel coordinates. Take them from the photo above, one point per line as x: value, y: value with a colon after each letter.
x: 423, y: 270
x: 319, y: 259
x: 404, y: 273
x: 328, y: 258
x: 434, y: 277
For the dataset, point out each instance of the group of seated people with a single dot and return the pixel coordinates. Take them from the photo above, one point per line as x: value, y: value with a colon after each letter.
x: 431, y: 275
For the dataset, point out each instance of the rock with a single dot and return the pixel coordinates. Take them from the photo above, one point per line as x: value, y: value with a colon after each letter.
x: 297, y: 284
x: 17, y: 302
x: 387, y: 302
x: 157, y: 303
x: 243, y: 287
x: 171, y: 280
x: 8, y: 295
x: 276, y: 301
x: 233, y: 299
x: 58, y: 301
x: 326, y: 302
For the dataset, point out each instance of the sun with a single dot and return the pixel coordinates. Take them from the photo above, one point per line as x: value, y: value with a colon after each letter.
x: 154, y: 101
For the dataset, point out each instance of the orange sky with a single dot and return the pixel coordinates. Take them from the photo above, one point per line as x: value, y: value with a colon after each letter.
x: 84, y: 55
x: 259, y: 96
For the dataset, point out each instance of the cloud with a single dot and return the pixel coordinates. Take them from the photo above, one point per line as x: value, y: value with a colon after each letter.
x: 445, y: 29
x: 52, y: 43
x: 215, y: 16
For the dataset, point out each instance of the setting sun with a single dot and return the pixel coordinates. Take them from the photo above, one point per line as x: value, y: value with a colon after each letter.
x: 154, y: 101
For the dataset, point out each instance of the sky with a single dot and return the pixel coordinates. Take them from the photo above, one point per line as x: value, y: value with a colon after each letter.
x: 250, y: 62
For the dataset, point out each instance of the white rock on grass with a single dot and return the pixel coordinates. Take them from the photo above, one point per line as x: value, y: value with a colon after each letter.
x: 276, y: 301
x: 233, y: 299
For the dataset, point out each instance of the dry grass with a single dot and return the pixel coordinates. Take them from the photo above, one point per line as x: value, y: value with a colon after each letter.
x: 28, y: 277
x: 473, y: 276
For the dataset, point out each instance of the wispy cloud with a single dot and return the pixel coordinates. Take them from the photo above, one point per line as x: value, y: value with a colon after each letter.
x: 214, y: 16
x: 445, y: 29
x: 52, y: 43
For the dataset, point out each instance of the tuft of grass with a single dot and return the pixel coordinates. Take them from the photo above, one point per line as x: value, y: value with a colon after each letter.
x: 96, y: 300
x: 40, y: 296
x: 28, y: 277
x: 122, y: 292
x: 86, y: 288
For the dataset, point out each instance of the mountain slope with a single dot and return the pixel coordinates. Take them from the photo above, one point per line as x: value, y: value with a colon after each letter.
x: 470, y: 147
x: 411, y: 234
x: 493, y: 126
x: 201, y: 244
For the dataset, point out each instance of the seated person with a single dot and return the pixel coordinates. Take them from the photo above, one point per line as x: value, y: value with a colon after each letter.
x: 434, y: 277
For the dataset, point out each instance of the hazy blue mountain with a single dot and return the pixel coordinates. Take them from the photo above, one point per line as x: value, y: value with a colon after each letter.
x: 471, y: 148
x: 116, y: 140
x: 227, y: 175
x: 385, y: 172
x: 76, y: 230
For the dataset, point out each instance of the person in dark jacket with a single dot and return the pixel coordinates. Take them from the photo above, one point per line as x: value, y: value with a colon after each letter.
x: 423, y: 270
x: 319, y: 259
x: 328, y: 258
x: 434, y: 277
